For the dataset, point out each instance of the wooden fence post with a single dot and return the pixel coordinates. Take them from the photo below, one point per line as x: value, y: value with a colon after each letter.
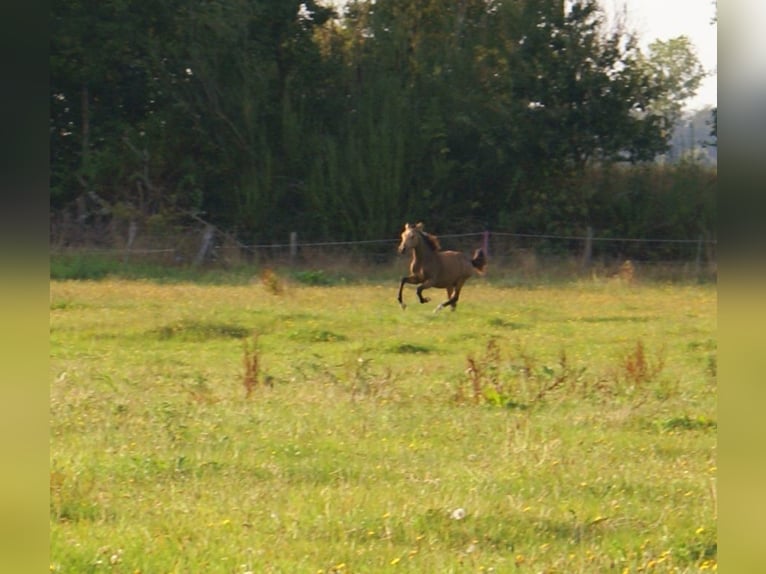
x: 293, y: 246
x: 587, y: 253
x: 207, y: 239
x: 132, y: 230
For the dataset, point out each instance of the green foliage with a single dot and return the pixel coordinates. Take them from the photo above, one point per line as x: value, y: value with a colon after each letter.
x: 93, y: 266
x: 669, y: 201
x: 81, y: 267
x: 674, y: 66
x: 281, y: 115
x: 314, y: 277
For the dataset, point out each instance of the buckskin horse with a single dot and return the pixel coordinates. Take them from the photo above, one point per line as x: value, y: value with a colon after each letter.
x: 432, y: 267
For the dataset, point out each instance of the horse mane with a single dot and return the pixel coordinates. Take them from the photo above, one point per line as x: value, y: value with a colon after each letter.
x: 431, y: 240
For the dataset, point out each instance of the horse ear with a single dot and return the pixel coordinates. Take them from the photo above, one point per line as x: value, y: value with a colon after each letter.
x: 420, y: 226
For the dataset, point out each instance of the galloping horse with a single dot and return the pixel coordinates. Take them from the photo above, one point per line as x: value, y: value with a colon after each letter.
x: 432, y: 267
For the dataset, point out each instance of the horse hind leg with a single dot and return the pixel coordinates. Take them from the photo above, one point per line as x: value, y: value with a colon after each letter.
x: 441, y: 306
x: 452, y: 300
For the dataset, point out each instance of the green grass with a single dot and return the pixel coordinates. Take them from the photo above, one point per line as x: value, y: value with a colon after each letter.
x: 574, y: 425
x: 164, y: 270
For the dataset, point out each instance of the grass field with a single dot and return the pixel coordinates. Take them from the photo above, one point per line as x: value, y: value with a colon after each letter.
x: 561, y: 428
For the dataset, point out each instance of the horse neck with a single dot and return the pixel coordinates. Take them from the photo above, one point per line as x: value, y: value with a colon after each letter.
x: 423, y: 252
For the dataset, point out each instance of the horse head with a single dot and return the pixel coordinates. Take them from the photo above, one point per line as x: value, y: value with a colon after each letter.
x: 410, y: 237
x: 414, y: 234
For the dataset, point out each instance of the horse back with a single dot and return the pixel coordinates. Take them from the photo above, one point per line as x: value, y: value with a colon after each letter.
x: 454, y: 266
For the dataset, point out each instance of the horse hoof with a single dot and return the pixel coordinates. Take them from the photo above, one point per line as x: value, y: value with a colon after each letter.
x: 402, y: 305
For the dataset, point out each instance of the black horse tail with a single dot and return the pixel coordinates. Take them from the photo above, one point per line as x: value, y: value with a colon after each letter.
x: 479, y: 260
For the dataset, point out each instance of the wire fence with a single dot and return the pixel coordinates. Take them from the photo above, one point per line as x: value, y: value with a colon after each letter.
x: 199, y: 243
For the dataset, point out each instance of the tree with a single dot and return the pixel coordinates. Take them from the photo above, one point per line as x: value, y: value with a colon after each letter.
x: 166, y: 105
x: 277, y: 115
x: 582, y: 97
x: 675, y: 70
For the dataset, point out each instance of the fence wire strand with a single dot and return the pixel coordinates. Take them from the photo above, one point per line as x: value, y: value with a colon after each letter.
x: 187, y: 245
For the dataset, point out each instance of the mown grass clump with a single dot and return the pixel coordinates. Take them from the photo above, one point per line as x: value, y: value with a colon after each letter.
x: 410, y: 348
x: 686, y: 422
x: 577, y: 444
x: 194, y: 330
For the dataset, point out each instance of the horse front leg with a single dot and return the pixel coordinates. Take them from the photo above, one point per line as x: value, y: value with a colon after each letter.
x: 425, y: 285
x: 409, y: 279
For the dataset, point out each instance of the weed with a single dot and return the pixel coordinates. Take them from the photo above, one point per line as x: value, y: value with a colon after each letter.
x: 484, y: 375
x: 627, y: 272
x: 515, y: 384
x: 174, y: 421
x: 635, y: 367
x: 553, y: 381
x: 712, y: 365
x: 365, y: 383
x: 637, y: 371
x: 474, y: 375
x: 521, y: 382
x: 313, y: 371
x: 271, y: 281
x: 72, y: 497
x: 200, y: 391
x: 711, y: 347
x: 251, y: 362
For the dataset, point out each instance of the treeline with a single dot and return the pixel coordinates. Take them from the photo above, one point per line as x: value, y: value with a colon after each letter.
x: 270, y: 116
